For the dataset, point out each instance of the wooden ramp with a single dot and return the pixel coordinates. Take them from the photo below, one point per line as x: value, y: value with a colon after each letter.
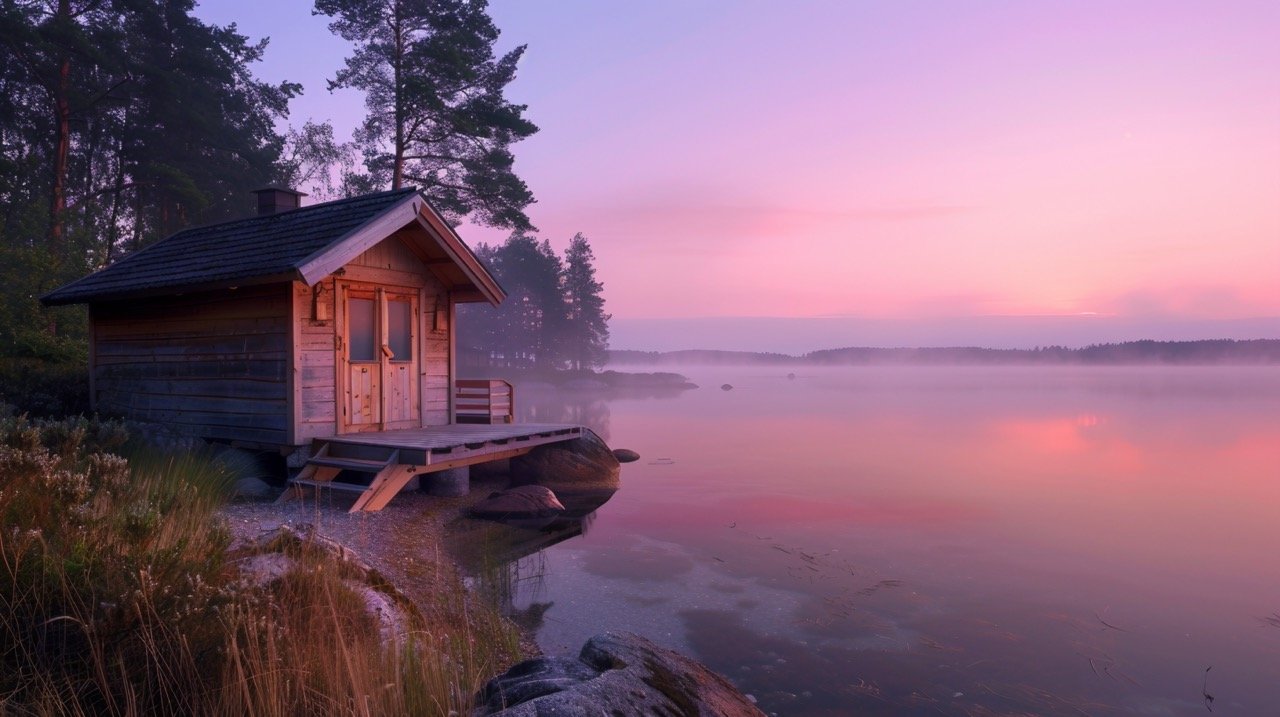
x: 394, y: 457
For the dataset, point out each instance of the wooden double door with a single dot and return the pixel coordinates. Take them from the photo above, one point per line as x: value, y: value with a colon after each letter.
x: 379, y: 362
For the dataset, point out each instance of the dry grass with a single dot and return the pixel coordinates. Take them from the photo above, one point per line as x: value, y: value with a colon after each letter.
x: 118, y: 596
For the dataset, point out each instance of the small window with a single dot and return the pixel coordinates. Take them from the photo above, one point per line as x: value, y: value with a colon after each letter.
x: 400, y: 330
x: 363, y: 330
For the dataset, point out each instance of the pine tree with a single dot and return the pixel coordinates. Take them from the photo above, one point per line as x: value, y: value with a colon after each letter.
x: 587, y: 331
x: 120, y: 121
x: 434, y: 91
x: 528, y: 330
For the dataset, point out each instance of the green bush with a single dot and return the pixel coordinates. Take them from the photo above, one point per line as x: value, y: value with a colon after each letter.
x: 43, y: 388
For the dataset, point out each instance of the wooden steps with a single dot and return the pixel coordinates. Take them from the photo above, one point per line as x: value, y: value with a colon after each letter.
x: 331, y: 460
x: 349, y: 464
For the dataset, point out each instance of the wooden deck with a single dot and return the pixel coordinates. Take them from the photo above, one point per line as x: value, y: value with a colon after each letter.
x: 394, y: 457
x: 432, y: 448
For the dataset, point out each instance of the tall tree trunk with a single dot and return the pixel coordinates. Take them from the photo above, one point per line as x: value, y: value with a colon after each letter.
x: 397, y: 64
x: 62, y: 144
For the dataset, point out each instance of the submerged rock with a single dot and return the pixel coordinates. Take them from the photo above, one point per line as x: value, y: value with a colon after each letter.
x: 519, y: 503
x: 581, y: 464
x: 625, y: 455
x: 614, y: 674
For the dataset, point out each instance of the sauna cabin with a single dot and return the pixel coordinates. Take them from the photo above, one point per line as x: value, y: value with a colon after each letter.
x: 295, y: 324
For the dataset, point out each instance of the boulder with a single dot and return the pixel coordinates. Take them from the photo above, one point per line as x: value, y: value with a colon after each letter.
x: 614, y: 674
x: 625, y: 455
x: 249, y: 472
x: 519, y: 503
x: 254, y: 489
x: 584, y: 463
x: 287, y: 549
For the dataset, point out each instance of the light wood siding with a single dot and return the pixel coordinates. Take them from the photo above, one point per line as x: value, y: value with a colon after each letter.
x: 436, y: 366
x: 211, y: 365
x: 391, y: 254
x: 396, y: 263
x: 389, y: 263
x: 316, y: 412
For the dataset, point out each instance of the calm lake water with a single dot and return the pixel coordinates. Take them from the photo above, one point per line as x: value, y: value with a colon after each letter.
x: 955, y: 541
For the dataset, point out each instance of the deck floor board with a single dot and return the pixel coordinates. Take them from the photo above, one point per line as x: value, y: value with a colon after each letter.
x: 458, y: 435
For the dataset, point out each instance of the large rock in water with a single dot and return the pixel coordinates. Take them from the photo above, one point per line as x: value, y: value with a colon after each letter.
x: 521, y: 502
x: 625, y: 455
x: 615, y: 674
x: 583, y: 464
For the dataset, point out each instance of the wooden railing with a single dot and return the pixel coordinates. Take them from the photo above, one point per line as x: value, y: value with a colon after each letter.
x: 484, y: 400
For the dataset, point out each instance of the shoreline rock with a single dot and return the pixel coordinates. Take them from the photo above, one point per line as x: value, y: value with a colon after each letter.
x: 583, y: 463
x: 519, y: 504
x: 626, y: 455
x: 615, y: 673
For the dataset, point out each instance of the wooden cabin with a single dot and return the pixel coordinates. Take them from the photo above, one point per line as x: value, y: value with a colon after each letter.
x: 296, y: 324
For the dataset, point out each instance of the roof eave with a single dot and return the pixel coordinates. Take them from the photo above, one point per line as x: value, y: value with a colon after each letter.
x: 52, y: 298
x: 324, y: 262
x: 463, y: 257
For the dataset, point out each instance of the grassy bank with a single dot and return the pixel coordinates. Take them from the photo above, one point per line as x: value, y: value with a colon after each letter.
x: 122, y: 595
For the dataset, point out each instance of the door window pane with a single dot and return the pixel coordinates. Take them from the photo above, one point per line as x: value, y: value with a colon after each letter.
x: 400, y: 330
x: 362, y: 330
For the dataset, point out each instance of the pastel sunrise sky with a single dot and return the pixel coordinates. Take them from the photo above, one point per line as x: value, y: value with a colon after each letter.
x: 793, y: 176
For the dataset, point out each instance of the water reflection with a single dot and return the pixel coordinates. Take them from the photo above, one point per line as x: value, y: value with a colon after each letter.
x: 505, y: 560
x: 925, y: 541
x: 542, y: 402
x: 538, y: 402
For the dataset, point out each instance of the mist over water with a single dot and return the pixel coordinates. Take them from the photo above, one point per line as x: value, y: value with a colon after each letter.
x: 923, y: 540
x: 798, y: 335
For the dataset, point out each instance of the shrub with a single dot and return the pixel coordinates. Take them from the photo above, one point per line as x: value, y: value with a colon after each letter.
x: 45, y: 389
x: 118, y: 595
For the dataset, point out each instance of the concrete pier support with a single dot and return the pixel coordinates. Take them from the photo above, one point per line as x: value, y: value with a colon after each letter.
x: 450, y: 482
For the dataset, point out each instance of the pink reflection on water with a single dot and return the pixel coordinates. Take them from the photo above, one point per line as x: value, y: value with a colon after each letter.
x: 1032, y: 504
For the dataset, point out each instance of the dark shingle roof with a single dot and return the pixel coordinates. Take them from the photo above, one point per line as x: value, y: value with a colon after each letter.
x: 267, y: 246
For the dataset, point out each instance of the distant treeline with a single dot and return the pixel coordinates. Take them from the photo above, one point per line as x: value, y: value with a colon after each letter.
x: 1214, y: 351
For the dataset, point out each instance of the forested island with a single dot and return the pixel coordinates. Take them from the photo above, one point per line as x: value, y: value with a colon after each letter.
x: 1213, y: 351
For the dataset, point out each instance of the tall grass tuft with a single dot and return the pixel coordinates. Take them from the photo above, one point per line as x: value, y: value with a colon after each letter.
x: 118, y: 595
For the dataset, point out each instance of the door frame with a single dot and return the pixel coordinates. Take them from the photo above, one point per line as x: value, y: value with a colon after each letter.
x: 342, y: 363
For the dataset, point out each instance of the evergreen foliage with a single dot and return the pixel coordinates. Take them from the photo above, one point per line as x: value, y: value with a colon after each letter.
x: 437, y: 117
x: 120, y: 122
x: 553, y: 317
x: 587, y: 331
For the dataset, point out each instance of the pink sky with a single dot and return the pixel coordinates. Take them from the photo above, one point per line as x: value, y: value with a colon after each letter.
x: 901, y: 164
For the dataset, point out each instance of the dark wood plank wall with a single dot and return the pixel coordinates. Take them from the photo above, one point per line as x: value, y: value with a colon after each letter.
x: 211, y: 365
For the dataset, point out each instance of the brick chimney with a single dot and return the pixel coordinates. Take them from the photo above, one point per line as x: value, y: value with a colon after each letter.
x: 273, y: 200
